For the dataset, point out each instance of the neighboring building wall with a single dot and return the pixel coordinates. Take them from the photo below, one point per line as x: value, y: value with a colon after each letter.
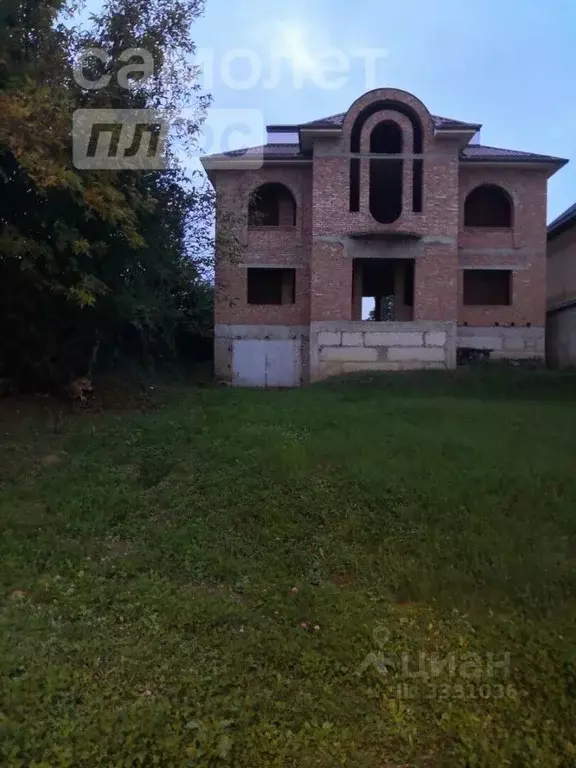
x: 561, y: 338
x: 562, y: 268
x: 561, y: 327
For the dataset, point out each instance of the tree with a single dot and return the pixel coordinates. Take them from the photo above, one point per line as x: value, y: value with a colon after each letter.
x: 96, y: 265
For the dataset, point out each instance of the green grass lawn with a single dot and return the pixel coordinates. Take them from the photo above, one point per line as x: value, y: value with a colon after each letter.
x: 378, y: 571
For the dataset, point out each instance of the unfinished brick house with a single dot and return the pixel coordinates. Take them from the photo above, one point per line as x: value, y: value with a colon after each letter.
x: 383, y: 238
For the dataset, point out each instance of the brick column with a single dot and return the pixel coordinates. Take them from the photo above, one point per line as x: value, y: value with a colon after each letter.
x: 436, y: 284
x: 331, y: 282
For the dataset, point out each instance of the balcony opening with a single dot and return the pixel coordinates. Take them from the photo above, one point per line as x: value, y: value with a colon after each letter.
x: 272, y: 205
x: 383, y: 290
x: 487, y: 287
x: 271, y: 285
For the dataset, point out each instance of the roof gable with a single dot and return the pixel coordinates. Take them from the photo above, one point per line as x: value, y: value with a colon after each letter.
x: 337, y: 121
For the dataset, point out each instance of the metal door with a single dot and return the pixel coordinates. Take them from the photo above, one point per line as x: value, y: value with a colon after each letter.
x: 266, y: 363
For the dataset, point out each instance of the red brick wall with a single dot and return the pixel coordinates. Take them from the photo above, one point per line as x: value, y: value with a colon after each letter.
x: 436, y: 284
x: 331, y: 288
x: 436, y: 278
x: 281, y: 246
x: 232, y: 307
x: 331, y: 175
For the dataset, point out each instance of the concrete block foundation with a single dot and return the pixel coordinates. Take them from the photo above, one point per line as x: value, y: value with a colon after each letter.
x: 350, y: 346
x: 505, y: 343
x: 330, y: 348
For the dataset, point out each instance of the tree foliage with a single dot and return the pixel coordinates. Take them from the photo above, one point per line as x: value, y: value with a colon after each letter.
x: 97, y: 265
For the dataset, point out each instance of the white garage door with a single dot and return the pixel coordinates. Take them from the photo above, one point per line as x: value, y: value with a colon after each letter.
x: 259, y: 363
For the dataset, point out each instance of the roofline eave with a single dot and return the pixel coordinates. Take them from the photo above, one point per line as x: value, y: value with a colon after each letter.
x: 555, y: 230
x: 553, y: 164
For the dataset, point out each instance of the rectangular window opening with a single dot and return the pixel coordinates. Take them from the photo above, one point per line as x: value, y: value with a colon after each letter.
x: 487, y: 287
x: 268, y: 285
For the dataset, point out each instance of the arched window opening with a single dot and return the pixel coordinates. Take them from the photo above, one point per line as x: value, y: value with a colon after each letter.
x: 387, y: 138
x: 395, y: 106
x: 386, y: 177
x: 272, y: 205
x: 488, y: 206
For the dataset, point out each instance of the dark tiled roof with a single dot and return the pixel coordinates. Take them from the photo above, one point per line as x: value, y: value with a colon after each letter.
x: 447, y: 122
x: 563, y: 222
x: 471, y: 153
x: 478, y: 152
x: 269, y: 151
x: 336, y: 121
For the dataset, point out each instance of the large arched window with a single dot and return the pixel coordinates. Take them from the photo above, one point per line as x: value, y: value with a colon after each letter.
x: 488, y: 206
x: 387, y: 138
x: 272, y: 205
x: 386, y: 135
x: 386, y: 174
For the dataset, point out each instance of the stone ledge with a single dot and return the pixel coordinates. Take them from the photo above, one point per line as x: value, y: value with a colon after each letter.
x: 369, y: 326
x: 275, y: 332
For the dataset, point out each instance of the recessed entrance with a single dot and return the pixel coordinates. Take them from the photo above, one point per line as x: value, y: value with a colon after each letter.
x: 383, y: 290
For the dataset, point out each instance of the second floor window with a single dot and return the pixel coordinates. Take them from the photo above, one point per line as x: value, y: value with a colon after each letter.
x: 272, y: 205
x: 488, y: 206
